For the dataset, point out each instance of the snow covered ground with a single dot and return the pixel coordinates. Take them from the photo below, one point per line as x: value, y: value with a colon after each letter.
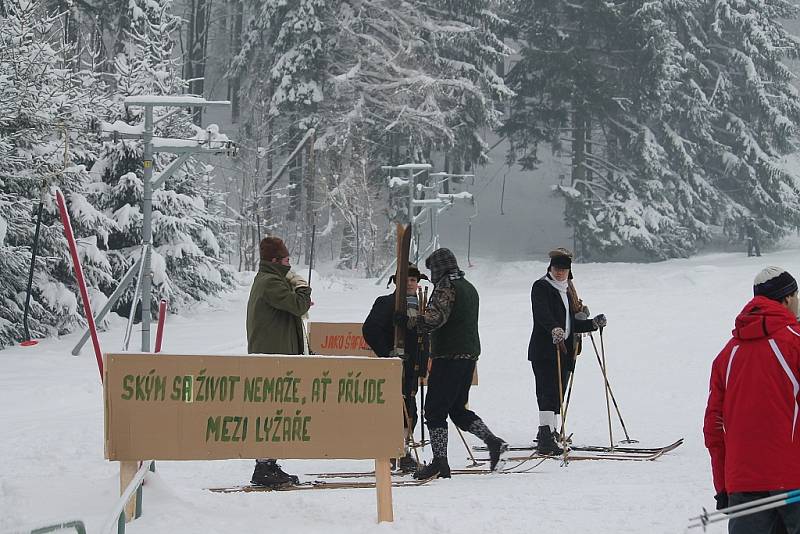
x: 666, y: 323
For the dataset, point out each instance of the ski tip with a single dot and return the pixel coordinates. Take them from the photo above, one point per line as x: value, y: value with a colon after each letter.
x: 29, y: 343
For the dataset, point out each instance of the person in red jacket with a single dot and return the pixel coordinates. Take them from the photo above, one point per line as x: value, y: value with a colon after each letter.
x: 751, y: 420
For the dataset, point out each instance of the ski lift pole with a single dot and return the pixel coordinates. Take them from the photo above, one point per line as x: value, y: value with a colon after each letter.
x: 469, y: 232
x: 311, y: 253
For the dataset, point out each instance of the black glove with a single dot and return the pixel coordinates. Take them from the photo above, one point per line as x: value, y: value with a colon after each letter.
x: 722, y: 500
x: 600, y: 321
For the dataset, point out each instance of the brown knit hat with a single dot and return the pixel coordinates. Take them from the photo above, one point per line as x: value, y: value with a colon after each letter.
x: 272, y: 247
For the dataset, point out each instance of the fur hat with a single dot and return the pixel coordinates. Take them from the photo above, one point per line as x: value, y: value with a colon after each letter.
x: 413, y: 272
x: 561, y: 258
x: 271, y: 248
x: 774, y: 283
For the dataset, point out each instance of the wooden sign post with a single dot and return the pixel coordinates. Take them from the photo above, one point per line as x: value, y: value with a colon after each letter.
x: 207, y: 407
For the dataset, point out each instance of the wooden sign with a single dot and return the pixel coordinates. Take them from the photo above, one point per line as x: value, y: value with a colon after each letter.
x: 338, y: 339
x: 203, y: 407
x: 345, y: 339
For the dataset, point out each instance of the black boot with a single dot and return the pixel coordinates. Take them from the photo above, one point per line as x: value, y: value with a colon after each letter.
x: 407, y: 464
x: 437, y: 468
x: 496, y: 448
x: 546, y: 443
x: 495, y: 445
x: 270, y: 474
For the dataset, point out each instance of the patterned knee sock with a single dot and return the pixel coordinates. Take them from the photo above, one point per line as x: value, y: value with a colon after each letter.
x: 439, y: 442
x: 479, y: 428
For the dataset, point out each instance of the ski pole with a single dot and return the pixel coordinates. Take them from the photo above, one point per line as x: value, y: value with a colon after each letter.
x: 28, y: 342
x: 605, y: 379
x: 570, y: 381
x: 752, y: 507
x: 561, y: 406
x: 611, y: 393
x: 423, y: 305
x: 475, y: 463
x: 409, y: 430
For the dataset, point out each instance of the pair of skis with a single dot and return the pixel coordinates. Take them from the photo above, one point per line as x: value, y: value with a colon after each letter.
x: 318, y: 485
x: 592, y: 452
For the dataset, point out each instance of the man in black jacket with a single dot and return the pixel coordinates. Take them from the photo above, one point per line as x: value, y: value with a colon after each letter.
x: 553, y: 338
x: 452, y: 318
x: 378, y: 331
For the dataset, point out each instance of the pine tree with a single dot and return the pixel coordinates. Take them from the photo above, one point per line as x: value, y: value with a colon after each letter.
x: 45, y: 112
x: 672, y: 100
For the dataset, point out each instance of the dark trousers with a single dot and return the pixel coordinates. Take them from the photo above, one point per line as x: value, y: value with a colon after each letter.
x: 545, y: 370
x: 785, y: 519
x: 410, y: 382
x: 753, y: 246
x: 448, y: 393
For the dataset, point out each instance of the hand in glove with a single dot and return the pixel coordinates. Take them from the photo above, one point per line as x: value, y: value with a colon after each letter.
x: 558, y: 339
x: 296, y: 280
x: 722, y: 500
x: 583, y: 314
x: 412, y: 305
x: 558, y: 335
x: 600, y: 321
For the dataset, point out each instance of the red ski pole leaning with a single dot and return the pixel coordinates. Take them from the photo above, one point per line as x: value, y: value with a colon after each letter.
x: 162, y: 315
x: 76, y: 264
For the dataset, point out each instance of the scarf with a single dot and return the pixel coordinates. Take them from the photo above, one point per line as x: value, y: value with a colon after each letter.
x: 562, y: 290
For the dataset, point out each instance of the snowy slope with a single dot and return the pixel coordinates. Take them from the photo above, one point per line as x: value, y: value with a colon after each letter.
x: 666, y: 323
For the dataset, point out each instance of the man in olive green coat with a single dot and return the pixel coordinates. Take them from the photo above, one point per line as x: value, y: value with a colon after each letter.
x: 278, y: 300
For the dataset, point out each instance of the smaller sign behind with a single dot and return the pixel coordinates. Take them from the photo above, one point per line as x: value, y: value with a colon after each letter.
x: 338, y: 339
x: 345, y: 339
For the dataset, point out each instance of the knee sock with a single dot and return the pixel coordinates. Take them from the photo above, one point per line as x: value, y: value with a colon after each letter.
x: 439, y: 442
x: 479, y: 428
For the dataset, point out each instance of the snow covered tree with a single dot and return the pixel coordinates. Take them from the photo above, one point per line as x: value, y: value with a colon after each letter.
x: 382, y: 82
x: 187, y: 248
x: 686, y: 108
x: 45, y: 111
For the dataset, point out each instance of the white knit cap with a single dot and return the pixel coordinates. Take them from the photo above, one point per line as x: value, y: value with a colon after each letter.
x: 774, y: 283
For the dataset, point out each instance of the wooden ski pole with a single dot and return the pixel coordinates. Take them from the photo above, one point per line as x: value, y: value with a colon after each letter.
x: 613, y: 400
x: 561, y: 406
x: 608, y: 405
x: 570, y: 381
x: 423, y: 305
x: 611, y: 392
x: 475, y: 463
x: 409, y: 431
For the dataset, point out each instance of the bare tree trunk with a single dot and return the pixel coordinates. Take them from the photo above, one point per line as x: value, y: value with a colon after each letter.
x: 196, y: 57
x: 234, y: 82
x: 579, y: 119
x: 295, y: 185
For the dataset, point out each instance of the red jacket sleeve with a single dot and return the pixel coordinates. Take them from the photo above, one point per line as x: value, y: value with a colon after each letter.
x: 713, y: 424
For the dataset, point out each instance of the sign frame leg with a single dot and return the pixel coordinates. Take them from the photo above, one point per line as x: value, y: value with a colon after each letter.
x: 383, y: 487
x: 127, y: 470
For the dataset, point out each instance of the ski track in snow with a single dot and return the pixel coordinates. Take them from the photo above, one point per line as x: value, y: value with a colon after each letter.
x: 667, y: 321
